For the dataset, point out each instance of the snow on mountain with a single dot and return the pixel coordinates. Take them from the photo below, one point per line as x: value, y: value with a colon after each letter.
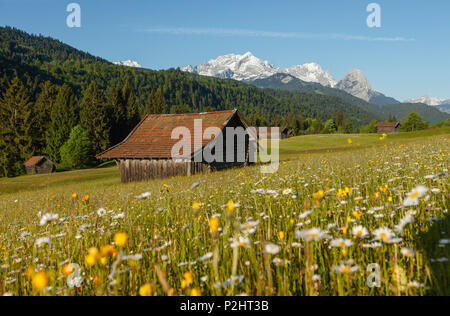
x: 426, y: 99
x: 238, y: 67
x: 312, y: 73
x: 247, y: 67
x: 250, y: 68
x: 128, y: 63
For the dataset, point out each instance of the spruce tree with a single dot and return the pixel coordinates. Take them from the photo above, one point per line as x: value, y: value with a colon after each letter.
x: 42, y: 113
x: 16, y: 138
x: 94, y: 118
x: 63, y: 117
x: 118, y: 115
x: 132, y: 111
x: 160, y: 103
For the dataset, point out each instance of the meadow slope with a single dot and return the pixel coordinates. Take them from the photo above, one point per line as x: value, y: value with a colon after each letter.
x: 312, y: 228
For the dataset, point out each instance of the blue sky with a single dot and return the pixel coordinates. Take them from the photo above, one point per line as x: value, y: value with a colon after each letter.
x: 410, y: 58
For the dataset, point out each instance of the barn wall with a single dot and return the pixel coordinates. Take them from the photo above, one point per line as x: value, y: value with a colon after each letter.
x: 138, y: 170
x: 234, y: 122
x: 388, y: 130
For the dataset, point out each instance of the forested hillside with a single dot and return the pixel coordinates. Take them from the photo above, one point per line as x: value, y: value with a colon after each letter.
x: 36, y: 59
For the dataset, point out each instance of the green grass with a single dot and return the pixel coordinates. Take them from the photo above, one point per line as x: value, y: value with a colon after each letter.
x: 171, y: 229
x: 290, y: 148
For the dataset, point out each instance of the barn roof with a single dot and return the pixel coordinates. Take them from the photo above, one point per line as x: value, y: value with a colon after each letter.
x: 151, y: 138
x: 388, y: 124
x: 33, y: 161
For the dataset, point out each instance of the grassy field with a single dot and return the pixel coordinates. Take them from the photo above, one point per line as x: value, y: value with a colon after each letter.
x: 313, y: 228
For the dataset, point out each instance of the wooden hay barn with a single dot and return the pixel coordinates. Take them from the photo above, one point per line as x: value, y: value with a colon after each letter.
x: 147, y: 152
x: 39, y: 165
x: 388, y: 127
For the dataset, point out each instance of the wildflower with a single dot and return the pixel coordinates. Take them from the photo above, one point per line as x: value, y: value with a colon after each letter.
x: 345, y: 269
x: 121, y: 239
x: 146, y: 290
x: 241, y: 242
x: 196, y: 292
x: 101, y: 212
x: 341, y: 243
x: 86, y: 198
x: 415, y: 195
x: 108, y: 251
x: 271, y: 249
x: 143, y: 196
x: 40, y: 280
x: 415, y: 284
x: 360, y: 232
x: 287, y: 191
x: 68, y: 269
x: 407, y: 252
x: 349, y: 141
x: 281, y: 235
x: 230, y: 206
x: 408, y: 219
x: 46, y: 218
x: 383, y: 234
x: 195, y: 206
x: 319, y: 194
x: 43, y: 241
x: 214, y: 225
x: 188, y: 278
x: 75, y: 196
x: 311, y: 234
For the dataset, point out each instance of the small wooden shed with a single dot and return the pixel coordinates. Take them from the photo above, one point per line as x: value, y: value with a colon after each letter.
x: 283, y: 132
x: 388, y: 127
x: 147, y: 152
x: 39, y: 165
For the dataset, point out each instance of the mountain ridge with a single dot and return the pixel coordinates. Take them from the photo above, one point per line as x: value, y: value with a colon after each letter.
x: 249, y: 68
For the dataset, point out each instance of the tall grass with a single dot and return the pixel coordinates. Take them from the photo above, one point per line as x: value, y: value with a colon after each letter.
x: 173, y: 247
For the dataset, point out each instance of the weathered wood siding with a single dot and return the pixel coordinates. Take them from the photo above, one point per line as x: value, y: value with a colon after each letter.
x: 44, y: 167
x: 138, y: 170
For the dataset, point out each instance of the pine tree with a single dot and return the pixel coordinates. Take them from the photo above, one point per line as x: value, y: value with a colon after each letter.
x: 150, y: 106
x: 132, y: 111
x: 94, y: 118
x: 63, y: 117
x: 156, y: 103
x: 42, y: 113
x: 118, y: 115
x: 339, y: 119
x: 16, y: 139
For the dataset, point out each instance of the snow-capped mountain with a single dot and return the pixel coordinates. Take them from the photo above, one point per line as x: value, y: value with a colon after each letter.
x: 247, y: 67
x: 238, y: 67
x: 128, y: 63
x: 441, y: 104
x: 426, y: 99
x: 312, y: 73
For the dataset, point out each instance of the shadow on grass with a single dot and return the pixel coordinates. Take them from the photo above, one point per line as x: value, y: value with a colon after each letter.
x: 435, y: 255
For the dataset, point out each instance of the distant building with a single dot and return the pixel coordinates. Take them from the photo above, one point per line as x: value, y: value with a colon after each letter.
x: 266, y: 133
x: 39, y: 164
x: 388, y: 127
x: 147, y: 152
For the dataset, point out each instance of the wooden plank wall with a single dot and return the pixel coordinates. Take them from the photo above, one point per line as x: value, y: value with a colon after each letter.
x: 138, y: 170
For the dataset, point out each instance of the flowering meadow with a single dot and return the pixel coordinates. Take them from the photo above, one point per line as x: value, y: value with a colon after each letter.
x: 370, y: 221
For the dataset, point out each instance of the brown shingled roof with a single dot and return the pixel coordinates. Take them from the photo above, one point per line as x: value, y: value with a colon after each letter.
x: 388, y: 124
x: 151, y: 138
x: 33, y: 161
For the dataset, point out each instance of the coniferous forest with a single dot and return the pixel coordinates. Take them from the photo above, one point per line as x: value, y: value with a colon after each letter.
x: 50, y: 91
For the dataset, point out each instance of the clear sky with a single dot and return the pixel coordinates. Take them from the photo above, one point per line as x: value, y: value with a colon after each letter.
x: 409, y: 56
